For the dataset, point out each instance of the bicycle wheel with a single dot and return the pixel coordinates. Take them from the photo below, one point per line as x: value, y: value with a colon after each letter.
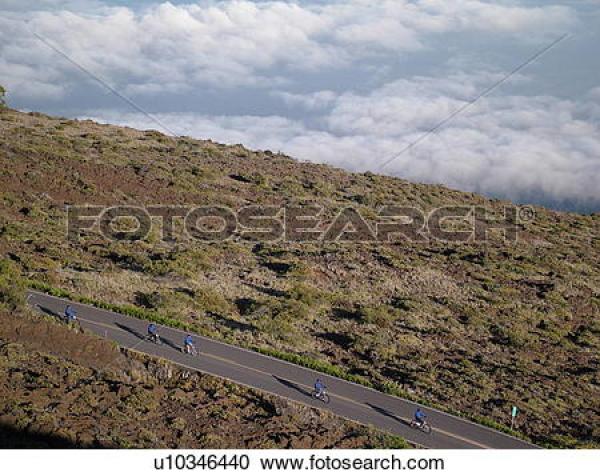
x: 426, y: 428
x: 325, y: 398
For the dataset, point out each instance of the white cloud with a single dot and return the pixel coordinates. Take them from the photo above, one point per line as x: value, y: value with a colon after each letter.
x: 39, y: 85
x: 311, y: 102
x: 236, y: 42
x: 516, y: 146
x: 487, y: 16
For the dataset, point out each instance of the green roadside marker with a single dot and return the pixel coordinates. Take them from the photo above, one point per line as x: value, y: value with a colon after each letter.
x: 513, y: 415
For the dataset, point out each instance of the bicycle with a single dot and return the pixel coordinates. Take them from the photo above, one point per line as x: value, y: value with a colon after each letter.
x: 155, y: 338
x: 423, y: 426
x: 189, y: 349
x: 72, y: 321
x: 322, y: 395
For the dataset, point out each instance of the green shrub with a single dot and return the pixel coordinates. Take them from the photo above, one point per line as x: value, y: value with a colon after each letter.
x: 276, y: 317
x: 512, y: 336
x: 307, y: 295
x: 12, y: 287
x: 401, y: 303
x: 394, y: 442
x: 152, y: 300
x: 380, y: 346
x: 382, y: 315
x: 212, y: 301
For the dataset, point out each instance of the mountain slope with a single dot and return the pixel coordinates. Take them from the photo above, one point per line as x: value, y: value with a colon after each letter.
x: 474, y: 327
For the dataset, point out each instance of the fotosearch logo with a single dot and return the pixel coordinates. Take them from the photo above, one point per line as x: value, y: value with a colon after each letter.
x: 305, y: 223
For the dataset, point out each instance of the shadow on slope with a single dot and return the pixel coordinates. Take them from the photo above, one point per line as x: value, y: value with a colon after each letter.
x: 14, y: 438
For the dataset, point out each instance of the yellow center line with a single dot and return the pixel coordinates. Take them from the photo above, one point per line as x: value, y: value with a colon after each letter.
x: 340, y: 397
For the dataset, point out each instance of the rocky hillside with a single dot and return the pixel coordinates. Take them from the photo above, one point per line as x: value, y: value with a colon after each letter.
x: 472, y: 327
x: 63, y: 389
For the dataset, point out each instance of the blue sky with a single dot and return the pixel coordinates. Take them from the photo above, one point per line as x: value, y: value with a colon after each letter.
x: 346, y: 83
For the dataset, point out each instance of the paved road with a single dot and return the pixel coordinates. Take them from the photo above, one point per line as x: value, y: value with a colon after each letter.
x: 287, y: 380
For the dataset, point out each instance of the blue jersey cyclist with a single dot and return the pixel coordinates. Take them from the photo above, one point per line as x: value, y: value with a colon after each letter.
x: 319, y: 387
x: 420, y: 416
x: 188, y: 343
x: 70, y: 313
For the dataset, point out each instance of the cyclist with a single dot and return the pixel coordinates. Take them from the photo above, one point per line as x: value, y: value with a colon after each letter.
x: 153, y: 332
x: 70, y: 314
x: 319, y: 388
x: 188, y: 344
x: 420, y: 417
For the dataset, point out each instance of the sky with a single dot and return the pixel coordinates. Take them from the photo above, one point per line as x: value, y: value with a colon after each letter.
x: 350, y: 83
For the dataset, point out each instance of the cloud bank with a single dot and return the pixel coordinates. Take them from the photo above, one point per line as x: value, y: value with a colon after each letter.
x: 297, y: 61
x: 517, y: 147
x: 237, y: 43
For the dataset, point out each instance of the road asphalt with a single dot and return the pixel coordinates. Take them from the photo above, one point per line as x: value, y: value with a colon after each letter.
x: 349, y: 400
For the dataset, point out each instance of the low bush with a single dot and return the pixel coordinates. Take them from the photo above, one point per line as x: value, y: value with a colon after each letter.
x: 152, y: 300
x: 12, y: 287
x: 382, y: 315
